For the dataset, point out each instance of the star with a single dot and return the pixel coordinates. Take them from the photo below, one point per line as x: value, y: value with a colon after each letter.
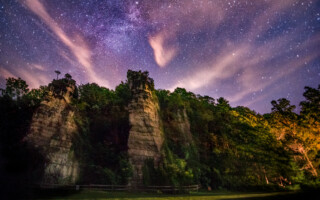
x: 202, y: 46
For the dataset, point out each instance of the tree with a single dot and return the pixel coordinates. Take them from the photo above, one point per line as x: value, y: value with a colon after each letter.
x: 95, y: 97
x: 35, y: 96
x: 311, y: 106
x: 123, y: 94
x: 207, y: 99
x: 67, y: 76
x: 223, y: 105
x: 282, y: 106
x: 58, y: 73
x: 17, y: 159
x: 310, y: 124
x: 15, y: 88
x: 289, y: 128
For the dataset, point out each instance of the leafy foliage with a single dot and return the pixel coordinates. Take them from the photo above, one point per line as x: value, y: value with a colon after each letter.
x: 206, y: 140
x: 101, y: 144
x: 18, y: 162
x: 140, y: 79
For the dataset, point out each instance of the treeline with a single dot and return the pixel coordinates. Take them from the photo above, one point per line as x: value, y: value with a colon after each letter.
x: 231, y: 148
x: 236, y: 148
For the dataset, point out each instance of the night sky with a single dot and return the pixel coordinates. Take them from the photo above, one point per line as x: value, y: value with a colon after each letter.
x: 250, y: 52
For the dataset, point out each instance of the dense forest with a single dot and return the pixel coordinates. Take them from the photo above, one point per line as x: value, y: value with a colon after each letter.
x: 227, y: 148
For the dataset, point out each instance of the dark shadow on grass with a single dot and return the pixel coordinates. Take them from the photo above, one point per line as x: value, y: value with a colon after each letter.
x: 50, y: 193
x: 66, y: 194
x: 302, y: 195
x: 98, y: 194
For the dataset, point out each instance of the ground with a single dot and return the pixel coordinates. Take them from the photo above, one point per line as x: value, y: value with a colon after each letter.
x: 101, y: 195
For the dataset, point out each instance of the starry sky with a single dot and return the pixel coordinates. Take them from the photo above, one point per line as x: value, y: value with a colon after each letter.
x: 248, y: 51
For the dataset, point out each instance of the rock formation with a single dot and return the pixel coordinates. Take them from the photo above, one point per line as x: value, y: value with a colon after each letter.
x: 181, y: 126
x: 53, y: 127
x: 146, y: 134
x: 51, y: 132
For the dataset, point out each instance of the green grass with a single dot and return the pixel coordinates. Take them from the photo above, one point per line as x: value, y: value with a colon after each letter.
x: 101, y: 195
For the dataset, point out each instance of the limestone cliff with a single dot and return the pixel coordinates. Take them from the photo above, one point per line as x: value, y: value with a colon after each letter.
x: 146, y: 134
x: 180, y: 128
x: 51, y: 132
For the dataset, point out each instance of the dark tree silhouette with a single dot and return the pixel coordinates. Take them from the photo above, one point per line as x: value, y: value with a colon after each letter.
x: 15, y: 88
x: 283, y: 106
x: 58, y: 73
x: 68, y: 76
x: 310, y: 107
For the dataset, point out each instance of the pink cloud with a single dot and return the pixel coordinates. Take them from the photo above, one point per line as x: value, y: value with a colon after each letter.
x: 76, y: 44
x: 162, y: 54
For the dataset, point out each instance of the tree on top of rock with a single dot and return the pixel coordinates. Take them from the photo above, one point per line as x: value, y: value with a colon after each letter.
x: 58, y: 73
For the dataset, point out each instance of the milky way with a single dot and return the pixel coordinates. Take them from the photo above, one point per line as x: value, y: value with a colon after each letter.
x: 250, y: 52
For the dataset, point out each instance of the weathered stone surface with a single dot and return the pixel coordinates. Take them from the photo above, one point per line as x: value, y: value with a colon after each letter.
x: 181, y: 122
x: 146, y: 133
x: 51, y: 132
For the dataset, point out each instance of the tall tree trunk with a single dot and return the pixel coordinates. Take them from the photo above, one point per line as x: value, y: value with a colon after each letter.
x: 313, y: 170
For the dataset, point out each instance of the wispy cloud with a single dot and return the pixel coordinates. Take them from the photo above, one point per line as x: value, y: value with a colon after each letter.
x: 174, y: 17
x: 76, y: 43
x: 248, y: 63
x: 162, y: 54
x: 38, y: 67
x: 222, y: 67
x: 249, y: 66
x: 32, y: 79
x: 4, y: 73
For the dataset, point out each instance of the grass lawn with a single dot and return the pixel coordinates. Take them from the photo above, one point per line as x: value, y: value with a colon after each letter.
x: 101, y: 195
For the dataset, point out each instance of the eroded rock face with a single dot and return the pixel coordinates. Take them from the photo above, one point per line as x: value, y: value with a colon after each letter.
x: 146, y: 134
x: 51, y: 133
x: 181, y: 124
